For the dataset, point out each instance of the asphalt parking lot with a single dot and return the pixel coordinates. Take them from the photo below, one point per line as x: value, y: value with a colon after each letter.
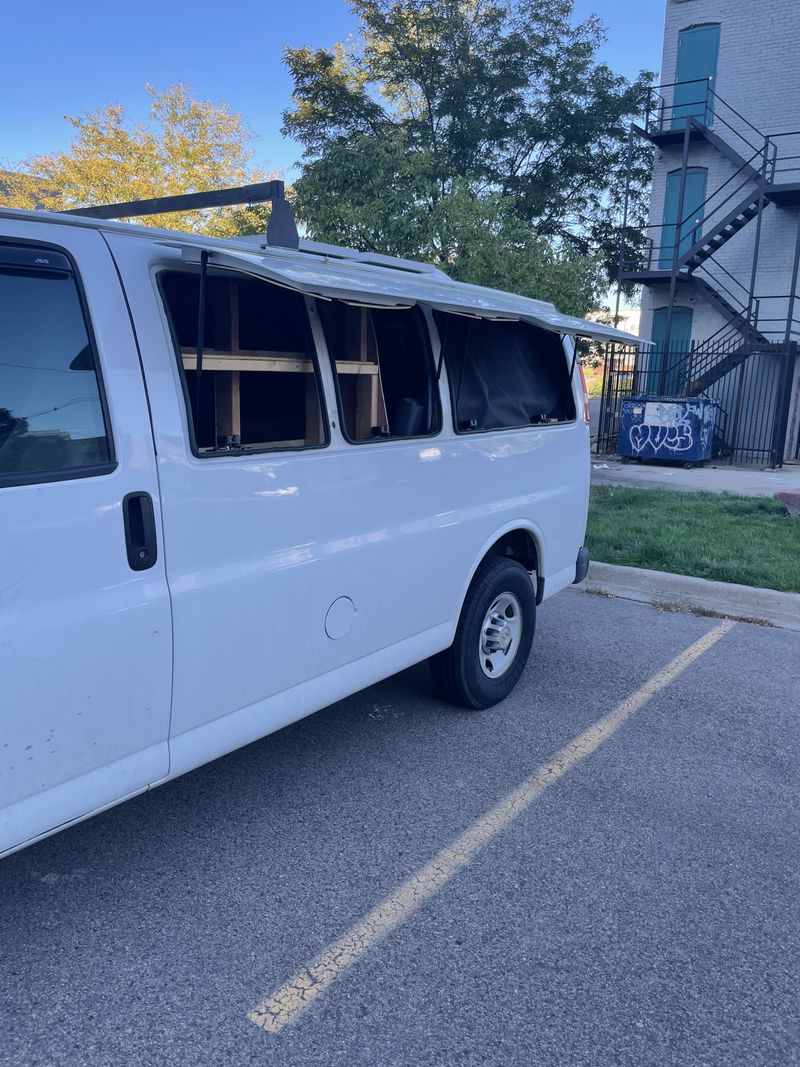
x: 634, y: 902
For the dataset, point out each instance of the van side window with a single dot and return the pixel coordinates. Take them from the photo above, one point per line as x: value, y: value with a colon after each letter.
x: 259, y: 387
x: 384, y: 371
x: 504, y: 374
x: 52, y: 422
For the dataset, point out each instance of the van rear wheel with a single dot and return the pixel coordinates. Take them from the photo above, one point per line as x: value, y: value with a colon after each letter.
x: 493, y: 638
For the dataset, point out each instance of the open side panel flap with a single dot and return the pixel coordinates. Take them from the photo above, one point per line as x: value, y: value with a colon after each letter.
x: 545, y: 318
x: 366, y: 285
x: 317, y: 280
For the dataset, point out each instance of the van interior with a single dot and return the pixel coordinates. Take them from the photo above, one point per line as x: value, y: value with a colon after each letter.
x: 504, y: 374
x: 393, y: 392
x: 259, y: 388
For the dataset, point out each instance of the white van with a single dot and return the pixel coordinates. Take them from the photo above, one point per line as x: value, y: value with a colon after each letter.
x: 241, y: 481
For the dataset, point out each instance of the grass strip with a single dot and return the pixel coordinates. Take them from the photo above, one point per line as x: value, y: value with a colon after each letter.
x: 727, y: 538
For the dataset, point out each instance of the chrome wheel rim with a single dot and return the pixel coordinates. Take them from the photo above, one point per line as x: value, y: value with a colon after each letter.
x: 501, y: 632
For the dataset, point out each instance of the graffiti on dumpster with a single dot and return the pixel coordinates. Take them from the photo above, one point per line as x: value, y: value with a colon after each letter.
x: 666, y: 427
x: 654, y: 427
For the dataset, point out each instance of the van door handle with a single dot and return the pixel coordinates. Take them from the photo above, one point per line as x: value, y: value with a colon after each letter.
x: 140, y: 530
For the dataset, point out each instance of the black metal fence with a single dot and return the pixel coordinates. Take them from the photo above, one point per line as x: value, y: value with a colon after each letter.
x: 750, y: 383
x: 619, y: 379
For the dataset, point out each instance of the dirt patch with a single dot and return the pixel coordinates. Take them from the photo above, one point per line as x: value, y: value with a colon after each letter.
x: 678, y: 606
x: 706, y: 613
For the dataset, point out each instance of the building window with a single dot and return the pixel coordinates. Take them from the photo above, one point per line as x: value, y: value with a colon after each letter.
x: 504, y: 374
x: 259, y: 386
x: 52, y: 418
x: 384, y: 368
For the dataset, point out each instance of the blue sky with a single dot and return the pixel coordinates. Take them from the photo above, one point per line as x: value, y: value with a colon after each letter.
x: 66, y: 58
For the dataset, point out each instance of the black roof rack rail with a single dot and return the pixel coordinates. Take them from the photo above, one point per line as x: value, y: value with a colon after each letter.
x: 281, y: 229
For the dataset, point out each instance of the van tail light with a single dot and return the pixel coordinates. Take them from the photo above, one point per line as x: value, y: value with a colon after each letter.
x: 586, y: 416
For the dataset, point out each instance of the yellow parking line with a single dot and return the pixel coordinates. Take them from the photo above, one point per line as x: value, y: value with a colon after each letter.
x: 285, y: 1005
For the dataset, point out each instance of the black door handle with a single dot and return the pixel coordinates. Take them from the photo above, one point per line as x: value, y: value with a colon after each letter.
x: 140, y: 531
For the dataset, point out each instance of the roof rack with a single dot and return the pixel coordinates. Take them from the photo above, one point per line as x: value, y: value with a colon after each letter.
x: 281, y: 228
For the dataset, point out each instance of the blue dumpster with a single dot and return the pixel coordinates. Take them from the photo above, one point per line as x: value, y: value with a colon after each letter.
x: 680, y: 429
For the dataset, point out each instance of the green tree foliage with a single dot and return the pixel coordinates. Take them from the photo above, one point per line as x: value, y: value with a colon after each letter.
x: 189, y: 145
x: 10, y: 423
x: 481, y: 134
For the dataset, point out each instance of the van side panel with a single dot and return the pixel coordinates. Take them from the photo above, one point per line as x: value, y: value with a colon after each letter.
x: 454, y: 541
x: 260, y: 546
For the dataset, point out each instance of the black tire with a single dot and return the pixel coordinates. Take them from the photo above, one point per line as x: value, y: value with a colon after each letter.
x: 457, y: 672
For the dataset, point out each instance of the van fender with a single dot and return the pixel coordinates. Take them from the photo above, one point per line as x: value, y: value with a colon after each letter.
x: 509, y: 527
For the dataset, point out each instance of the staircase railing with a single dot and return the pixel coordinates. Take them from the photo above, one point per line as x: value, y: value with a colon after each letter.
x: 779, y: 152
x: 658, y: 254
x: 780, y: 322
x: 711, y: 361
x: 731, y: 290
x: 784, y: 166
x: 707, y: 109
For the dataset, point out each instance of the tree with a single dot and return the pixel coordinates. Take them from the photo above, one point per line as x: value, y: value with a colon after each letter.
x: 447, y: 109
x: 9, y: 424
x: 492, y: 246
x: 189, y: 145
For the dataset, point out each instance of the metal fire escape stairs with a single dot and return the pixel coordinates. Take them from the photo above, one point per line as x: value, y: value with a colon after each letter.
x: 723, y: 215
x: 696, y: 265
x: 684, y: 255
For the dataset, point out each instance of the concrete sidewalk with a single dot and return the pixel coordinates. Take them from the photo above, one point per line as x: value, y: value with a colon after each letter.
x: 683, y: 592
x: 745, y: 481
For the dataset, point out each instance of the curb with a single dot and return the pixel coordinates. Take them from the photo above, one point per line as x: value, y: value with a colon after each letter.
x: 680, y: 591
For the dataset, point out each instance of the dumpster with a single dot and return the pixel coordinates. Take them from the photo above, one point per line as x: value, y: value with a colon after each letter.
x: 680, y: 429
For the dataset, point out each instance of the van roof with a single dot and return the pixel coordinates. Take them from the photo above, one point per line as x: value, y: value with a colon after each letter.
x: 337, y: 272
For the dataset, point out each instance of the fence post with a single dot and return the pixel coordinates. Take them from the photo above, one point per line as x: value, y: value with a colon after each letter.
x: 783, y: 404
x: 734, y: 433
x: 624, y: 235
x: 752, y: 312
x: 608, y: 375
x: 689, y: 369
